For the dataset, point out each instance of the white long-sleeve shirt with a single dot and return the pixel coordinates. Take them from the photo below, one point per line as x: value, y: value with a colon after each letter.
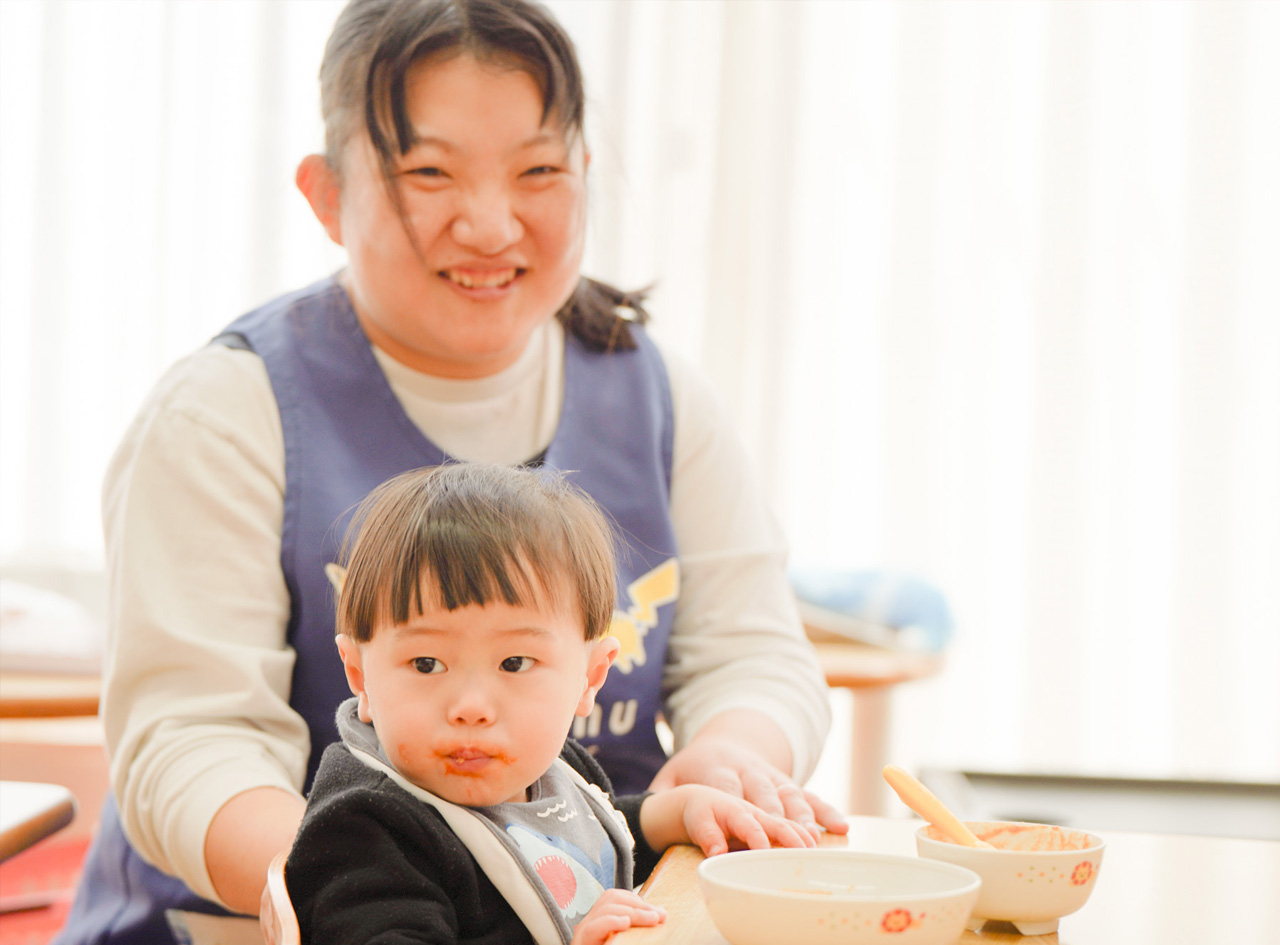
x: 196, y: 689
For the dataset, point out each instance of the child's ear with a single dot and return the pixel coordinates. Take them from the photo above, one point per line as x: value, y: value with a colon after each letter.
x: 600, y: 657
x: 319, y: 184
x: 349, y: 650
x: 337, y: 576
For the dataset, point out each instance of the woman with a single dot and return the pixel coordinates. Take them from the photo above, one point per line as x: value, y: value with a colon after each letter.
x: 455, y: 178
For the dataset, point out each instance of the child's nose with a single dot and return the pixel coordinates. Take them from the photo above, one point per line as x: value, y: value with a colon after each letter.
x: 472, y: 705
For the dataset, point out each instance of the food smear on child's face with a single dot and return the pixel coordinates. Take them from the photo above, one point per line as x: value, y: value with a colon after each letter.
x: 495, y: 201
x: 474, y: 704
x: 471, y: 761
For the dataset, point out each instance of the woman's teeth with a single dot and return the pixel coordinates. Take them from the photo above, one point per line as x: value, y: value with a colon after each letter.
x: 481, y: 280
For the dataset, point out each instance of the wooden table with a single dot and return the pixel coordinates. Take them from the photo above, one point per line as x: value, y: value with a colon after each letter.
x: 869, y: 673
x: 31, y: 811
x: 1153, y: 889
x: 48, y: 695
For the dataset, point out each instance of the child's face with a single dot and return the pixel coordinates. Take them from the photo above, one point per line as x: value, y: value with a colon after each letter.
x: 497, y: 203
x: 474, y: 704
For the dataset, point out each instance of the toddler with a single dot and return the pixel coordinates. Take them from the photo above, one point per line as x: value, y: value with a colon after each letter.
x: 473, y: 620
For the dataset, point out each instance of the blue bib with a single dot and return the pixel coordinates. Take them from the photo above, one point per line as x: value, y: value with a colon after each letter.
x: 344, y: 433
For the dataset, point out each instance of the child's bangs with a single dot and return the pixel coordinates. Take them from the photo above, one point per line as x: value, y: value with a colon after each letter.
x: 456, y: 566
x: 472, y: 534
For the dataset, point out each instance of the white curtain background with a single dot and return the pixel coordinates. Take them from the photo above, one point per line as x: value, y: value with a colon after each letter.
x: 992, y: 288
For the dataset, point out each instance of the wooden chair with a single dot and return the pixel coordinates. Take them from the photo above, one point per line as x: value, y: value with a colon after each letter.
x: 279, y: 922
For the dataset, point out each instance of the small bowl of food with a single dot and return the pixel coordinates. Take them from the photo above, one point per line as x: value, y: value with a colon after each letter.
x: 1034, y: 875
x: 764, y: 897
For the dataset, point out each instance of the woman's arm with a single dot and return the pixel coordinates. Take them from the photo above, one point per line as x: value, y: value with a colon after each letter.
x: 244, y: 835
x: 746, y: 694
x: 741, y: 752
x: 195, y: 699
x: 745, y: 727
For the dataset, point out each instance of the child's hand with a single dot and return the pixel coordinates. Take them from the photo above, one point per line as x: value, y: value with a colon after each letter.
x: 725, y: 763
x: 715, y: 820
x: 614, y: 911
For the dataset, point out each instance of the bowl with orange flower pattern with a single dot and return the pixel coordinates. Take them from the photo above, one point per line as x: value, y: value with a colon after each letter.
x: 1035, y: 874
x: 836, y: 896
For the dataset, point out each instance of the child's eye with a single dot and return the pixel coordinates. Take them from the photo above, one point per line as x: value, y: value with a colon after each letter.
x: 427, y: 664
x: 540, y: 170
x: 517, y: 664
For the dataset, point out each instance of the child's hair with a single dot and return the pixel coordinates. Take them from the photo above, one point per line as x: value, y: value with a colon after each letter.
x: 475, y: 533
x: 374, y: 45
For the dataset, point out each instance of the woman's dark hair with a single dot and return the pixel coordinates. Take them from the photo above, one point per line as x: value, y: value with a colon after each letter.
x: 374, y: 45
x: 476, y: 533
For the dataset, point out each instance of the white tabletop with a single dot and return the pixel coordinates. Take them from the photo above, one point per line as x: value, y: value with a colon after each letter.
x: 31, y: 811
x: 1154, y: 889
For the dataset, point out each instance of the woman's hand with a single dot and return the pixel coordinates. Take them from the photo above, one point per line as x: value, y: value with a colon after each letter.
x: 715, y: 821
x: 614, y: 911
x: 724, y: 762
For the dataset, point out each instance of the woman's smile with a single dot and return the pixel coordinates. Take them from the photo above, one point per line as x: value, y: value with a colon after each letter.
x: 483, y: 284
x: 482, y: 278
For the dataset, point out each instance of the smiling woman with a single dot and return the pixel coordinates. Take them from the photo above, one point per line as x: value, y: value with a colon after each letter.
x: 988, y: 287
x: 492, y: 201
x: 460, y: 330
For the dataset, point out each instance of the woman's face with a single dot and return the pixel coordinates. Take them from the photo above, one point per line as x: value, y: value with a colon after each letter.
x: 496, y: 203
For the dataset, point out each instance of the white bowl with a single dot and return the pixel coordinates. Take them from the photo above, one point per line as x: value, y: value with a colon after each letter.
x: 774, y: 897
x: 1037, y: 873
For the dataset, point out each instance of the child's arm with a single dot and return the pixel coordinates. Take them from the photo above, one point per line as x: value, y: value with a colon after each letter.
x: 713, y: 819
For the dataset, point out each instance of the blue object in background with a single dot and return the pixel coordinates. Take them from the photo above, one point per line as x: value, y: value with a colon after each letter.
x: 879, y: 607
